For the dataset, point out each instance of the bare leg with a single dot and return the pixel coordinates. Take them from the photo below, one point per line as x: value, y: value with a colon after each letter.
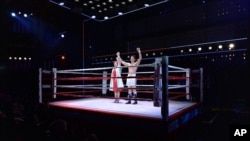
x: 118, y: 97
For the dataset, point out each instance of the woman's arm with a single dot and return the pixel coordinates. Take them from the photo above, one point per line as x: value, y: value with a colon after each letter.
x: 120, y: 59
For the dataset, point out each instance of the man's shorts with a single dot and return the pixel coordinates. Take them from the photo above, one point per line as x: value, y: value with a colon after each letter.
x: 131, y: 80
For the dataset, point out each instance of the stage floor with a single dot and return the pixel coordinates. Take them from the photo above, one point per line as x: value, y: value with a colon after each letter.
x: 144, y: 109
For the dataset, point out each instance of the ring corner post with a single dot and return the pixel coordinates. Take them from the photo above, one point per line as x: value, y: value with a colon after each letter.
x: 40, y: 85
x: 188, y: 84
x: 201, y: 85
x: 104, y: 82
x: 54, y: 82
x: 157, y: 95
x: 165, y: 102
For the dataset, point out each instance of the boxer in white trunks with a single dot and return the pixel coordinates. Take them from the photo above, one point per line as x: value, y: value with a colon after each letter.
x: 131, y: 78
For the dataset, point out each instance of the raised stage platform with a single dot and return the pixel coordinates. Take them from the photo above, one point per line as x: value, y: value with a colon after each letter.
x: 143, y: 117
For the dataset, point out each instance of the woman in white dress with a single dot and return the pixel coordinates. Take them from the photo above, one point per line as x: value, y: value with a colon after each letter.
x: 116, y: 82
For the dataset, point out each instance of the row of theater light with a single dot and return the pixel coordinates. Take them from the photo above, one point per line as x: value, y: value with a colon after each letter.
x: 14, y: 14
x: 103, y: 6
x: 210, y: 48
x: 190, y: 50
x: 20, y: 58
x: 25, y: 15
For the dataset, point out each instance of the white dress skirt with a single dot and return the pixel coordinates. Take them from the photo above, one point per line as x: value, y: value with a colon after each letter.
x: 118, y: 78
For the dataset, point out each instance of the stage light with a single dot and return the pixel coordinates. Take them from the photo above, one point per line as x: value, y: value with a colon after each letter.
x: 63, y: 57
x: 25, y: 15
x: 210, y: 47
x: 231, y: 46
x: 199, y: 48
x: 220, y: 46
x: 244, y: 58
x: 62, y: 34
x: 61, y: 3
x: 13, y: 14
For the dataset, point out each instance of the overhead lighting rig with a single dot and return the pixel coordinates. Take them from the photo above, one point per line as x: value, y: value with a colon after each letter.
x: 102, y: 10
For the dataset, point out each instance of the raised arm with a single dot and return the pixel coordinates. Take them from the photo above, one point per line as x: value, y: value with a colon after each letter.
x: 140, y: 56
x: 119, y: 64
x: 120, y: 59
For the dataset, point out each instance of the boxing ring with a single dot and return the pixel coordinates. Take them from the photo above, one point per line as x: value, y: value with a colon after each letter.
x: 166, y: 93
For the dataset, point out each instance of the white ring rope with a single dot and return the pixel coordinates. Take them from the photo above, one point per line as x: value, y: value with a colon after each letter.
x: 146, y: 72
x: 174, y: 67
x: 82, y: 73
x: 103, y: 68
x: 90, y: 73
x: 175, y: 71
x: 177, y: 86
x: 46, y: 71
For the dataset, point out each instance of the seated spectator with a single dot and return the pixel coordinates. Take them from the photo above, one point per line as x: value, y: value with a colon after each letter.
x: 58, y: 131
x: 92, y: 137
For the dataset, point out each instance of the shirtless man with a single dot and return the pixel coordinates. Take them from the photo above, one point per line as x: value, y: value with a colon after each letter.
x: 131, y: 78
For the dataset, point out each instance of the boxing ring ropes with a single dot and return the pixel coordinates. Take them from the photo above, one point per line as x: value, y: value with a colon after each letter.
x: 160, y: 83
